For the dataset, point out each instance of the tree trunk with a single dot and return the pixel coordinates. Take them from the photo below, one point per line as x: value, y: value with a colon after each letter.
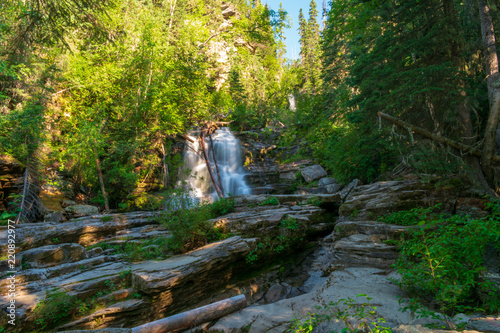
x: 217, y: 188
x: 101, y: 180
x: 491, y: 64
x: 215, y: 162
x: 475, y: 175
x: 193, y: 317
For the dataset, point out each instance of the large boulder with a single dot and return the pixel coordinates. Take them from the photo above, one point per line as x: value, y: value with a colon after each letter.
x: 81, y: 210
x: 369, y: 202
x: 51, y: 255
x: 313, y: 173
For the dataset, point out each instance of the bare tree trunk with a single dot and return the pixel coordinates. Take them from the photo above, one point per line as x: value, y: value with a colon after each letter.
x: 217, y: 188
x: 491, y: 64
x: 101, y: 180
x: 215, y: 162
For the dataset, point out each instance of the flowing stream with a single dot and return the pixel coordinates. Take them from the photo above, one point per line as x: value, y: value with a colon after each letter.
x: 229, y: 159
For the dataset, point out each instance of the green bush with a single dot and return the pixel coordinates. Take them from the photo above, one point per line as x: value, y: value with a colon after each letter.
x: 411, y: 217
x: 355, y: 154
x: 441, y: 262
x: 356, y: 315
x: 270, y: 201
x: 189, y: 225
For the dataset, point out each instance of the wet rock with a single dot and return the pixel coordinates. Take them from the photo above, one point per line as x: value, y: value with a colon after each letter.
x: 313, y: 173
x: 81, y: 210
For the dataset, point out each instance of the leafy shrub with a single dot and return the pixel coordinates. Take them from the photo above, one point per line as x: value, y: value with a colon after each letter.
x: 270, y: 201
x: 411, y: 217
x: 189, y: 226
x: 355, y: 154
x: 441, y: 262
x: 57, y: 307
x: 357, y: 317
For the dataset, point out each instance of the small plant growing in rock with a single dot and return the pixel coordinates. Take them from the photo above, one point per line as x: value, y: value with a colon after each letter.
x: 314, y: 201
x: 411, y: 217
x: 357, y: 317
x: 106, y: 218
x: 289, y: 223
x: 270, y: 201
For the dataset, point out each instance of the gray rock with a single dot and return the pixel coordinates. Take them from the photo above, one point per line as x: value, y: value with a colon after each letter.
x: 275, y: 293
x: 341, y: 284
x: 327, y: 181
x: 364, y: 250
x: 81, y: 210
x: 346, y: 192
x: 369, y: 202
x: 486, y: 324
x: 333, y: 188
x: 66, y: 202
x: 104, y: 330
x: 56, y: 217
x: 313, y: 173
x: 96, y: 251
x: 287, y: 176
x: 86, y: 231
x: 52, y: 255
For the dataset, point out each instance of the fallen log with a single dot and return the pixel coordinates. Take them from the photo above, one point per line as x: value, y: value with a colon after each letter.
x: 436, y: 137
x: 193, y: 317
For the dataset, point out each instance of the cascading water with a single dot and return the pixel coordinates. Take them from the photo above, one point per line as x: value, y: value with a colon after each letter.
x: 228, y: 155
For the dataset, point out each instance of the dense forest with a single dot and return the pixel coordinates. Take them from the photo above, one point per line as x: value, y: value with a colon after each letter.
x: 114, y: 82
x: 97, y: 97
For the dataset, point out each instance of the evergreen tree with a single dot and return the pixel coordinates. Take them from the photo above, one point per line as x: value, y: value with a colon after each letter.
x: 310, y: 48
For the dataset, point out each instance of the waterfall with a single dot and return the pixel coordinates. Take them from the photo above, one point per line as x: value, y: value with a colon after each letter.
x: 228, y: 155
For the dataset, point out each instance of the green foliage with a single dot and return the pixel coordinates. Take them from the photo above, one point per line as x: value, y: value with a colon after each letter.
x: 413, y: 216
x: 289, y: 223
x: 357, y: 317
x: 270, y: 201
x: 189, y: 226
x: 315, y: 201
x: 106, y: 218
x: 358, y: 154
x: 5, y: 217
x: 441, y: 262
x: 57, y: 307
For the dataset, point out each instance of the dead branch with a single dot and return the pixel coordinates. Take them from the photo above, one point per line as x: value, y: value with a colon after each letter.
x: 436, y: 137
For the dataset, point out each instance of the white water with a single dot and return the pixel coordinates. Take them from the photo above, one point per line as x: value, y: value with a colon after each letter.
x: 228, y: 155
